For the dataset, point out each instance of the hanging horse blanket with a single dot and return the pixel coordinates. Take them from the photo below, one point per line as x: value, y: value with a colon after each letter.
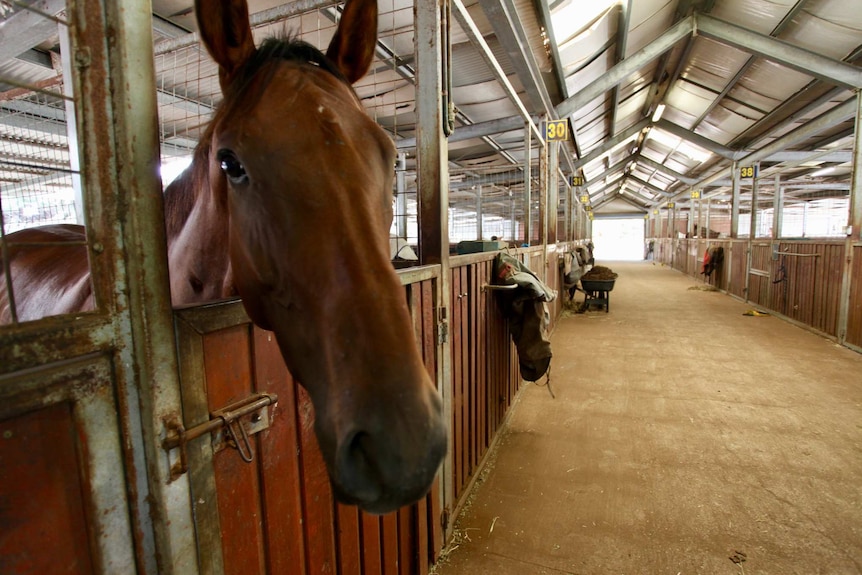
x: 525, y: 307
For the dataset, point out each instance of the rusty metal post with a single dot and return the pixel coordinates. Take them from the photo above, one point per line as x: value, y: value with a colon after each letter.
x: 433, y: 186
x: 112, y: 50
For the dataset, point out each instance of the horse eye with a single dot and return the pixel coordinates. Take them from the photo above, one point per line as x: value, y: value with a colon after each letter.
x: 232, y: 167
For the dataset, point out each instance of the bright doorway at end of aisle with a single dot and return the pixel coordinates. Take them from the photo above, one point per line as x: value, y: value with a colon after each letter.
x: 618, y: 239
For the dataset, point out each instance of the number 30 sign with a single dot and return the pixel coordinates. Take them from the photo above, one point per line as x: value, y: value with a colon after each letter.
x: 556, y: 130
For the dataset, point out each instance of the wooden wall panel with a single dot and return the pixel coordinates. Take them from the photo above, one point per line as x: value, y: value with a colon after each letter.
x: 281, y: 473
x: 484, y: 361
x: 43, y: 521
x: 854, y: 315
x: 227, y: 361
x: 803, y: 283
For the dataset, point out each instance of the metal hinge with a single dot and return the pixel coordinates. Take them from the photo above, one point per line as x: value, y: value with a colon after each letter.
x: 231, y: 426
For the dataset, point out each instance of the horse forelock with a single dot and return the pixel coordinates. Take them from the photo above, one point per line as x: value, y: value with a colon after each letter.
x: 251, y: 80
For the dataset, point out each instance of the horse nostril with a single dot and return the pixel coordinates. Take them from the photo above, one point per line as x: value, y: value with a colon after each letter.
x: 197, y: 284
x: 357, y: 469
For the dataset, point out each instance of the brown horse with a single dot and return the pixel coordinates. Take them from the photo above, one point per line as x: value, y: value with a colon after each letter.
x: 291, y: 156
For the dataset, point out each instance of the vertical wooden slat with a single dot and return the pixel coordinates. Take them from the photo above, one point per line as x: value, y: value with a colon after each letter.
x: 349, y: 545
x: 227, y: 357
x: 420, y: 549
x: 406, y: 542
x: 280, y: 472
x: 455, y: 335
x: 429, y: 323
x: 435, y: 525
x: 389, y: 538
x: 317, y: 497
x: 481, y: 359
x: 372, y: 547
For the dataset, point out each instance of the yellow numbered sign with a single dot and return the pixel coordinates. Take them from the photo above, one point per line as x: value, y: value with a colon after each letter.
x: 556, y: 130
x: 585, y: 199
x: 576, y: 181
x: 670, y: 205
x: 695, y: 194
x: 748, y: 172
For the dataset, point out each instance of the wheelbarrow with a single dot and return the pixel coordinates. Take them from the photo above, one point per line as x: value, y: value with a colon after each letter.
x: 597, y: 293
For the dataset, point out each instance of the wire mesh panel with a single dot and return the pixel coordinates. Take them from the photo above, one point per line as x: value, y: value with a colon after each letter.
x: 40, y: 181
x: 485, y: 203
x: 35, y: 171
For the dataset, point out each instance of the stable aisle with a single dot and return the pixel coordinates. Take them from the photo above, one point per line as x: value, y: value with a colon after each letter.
x: 685, y: 438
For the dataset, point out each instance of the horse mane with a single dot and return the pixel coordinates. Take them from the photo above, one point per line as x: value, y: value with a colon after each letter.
x: 181, y: 195
x: 255, y: 75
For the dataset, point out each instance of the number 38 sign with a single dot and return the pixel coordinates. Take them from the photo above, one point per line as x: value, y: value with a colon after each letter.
x: 556, y: 130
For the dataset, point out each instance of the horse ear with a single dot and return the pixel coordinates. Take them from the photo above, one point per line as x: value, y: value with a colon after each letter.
x: 352, y: 47
x: 226, y: 32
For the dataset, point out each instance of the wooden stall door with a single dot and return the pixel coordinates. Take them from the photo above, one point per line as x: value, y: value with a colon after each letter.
x: 276, y: 514
x: 63, y: 503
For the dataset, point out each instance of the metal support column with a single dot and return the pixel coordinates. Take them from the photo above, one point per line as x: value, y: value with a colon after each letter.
x: 72, y: 125
x: 433, y: 186
x: 752, y: 231
x: 734, y: 202
x: 479, y: 231
x: 528, y: 178
x: 120, y: 139
x: 553, y: 192
x: 854, y: 227
x: 401, y: 196
x: 777, y: 209
x: 543, y: 195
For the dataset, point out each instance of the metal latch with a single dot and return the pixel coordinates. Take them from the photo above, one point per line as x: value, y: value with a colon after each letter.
x: 442, y: 326
x: 231, y: 425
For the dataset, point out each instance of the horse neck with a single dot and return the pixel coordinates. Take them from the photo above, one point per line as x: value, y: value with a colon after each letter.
x: 196, y: 223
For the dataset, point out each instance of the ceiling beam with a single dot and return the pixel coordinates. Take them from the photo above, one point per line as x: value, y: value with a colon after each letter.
x: 825, y: 121
x: 627, y: 67
x: 696, y: 139
x: 26, y: 29
x: 503, y: 17
x: 469, y: 27
x: 625, y: 8
x: 800, y: 59
x: 643, y: 160
x: 612, y: 143
x: 649, y: 186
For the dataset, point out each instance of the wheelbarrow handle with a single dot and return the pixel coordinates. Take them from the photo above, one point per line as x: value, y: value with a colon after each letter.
x: 486, y: 287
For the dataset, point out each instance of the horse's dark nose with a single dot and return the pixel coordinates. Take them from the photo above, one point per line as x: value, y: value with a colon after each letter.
x: 390, y: 462
x: 357, y: 468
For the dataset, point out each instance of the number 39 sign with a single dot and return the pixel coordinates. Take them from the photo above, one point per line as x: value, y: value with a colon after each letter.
x: 556, y: 130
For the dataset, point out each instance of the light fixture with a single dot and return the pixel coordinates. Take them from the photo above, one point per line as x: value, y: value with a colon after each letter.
x: 659, y: 110
x: 823, y: 172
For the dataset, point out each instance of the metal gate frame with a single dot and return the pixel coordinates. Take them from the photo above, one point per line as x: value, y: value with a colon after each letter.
x: 116, y: 367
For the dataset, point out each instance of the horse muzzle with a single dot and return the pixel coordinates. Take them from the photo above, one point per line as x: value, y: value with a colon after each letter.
x: 382, y: 467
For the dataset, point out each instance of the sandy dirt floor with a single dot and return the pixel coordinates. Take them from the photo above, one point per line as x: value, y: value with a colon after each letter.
x: 685, y: 438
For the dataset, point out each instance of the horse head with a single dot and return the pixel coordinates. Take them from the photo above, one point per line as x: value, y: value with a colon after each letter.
x: 303, y: 180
